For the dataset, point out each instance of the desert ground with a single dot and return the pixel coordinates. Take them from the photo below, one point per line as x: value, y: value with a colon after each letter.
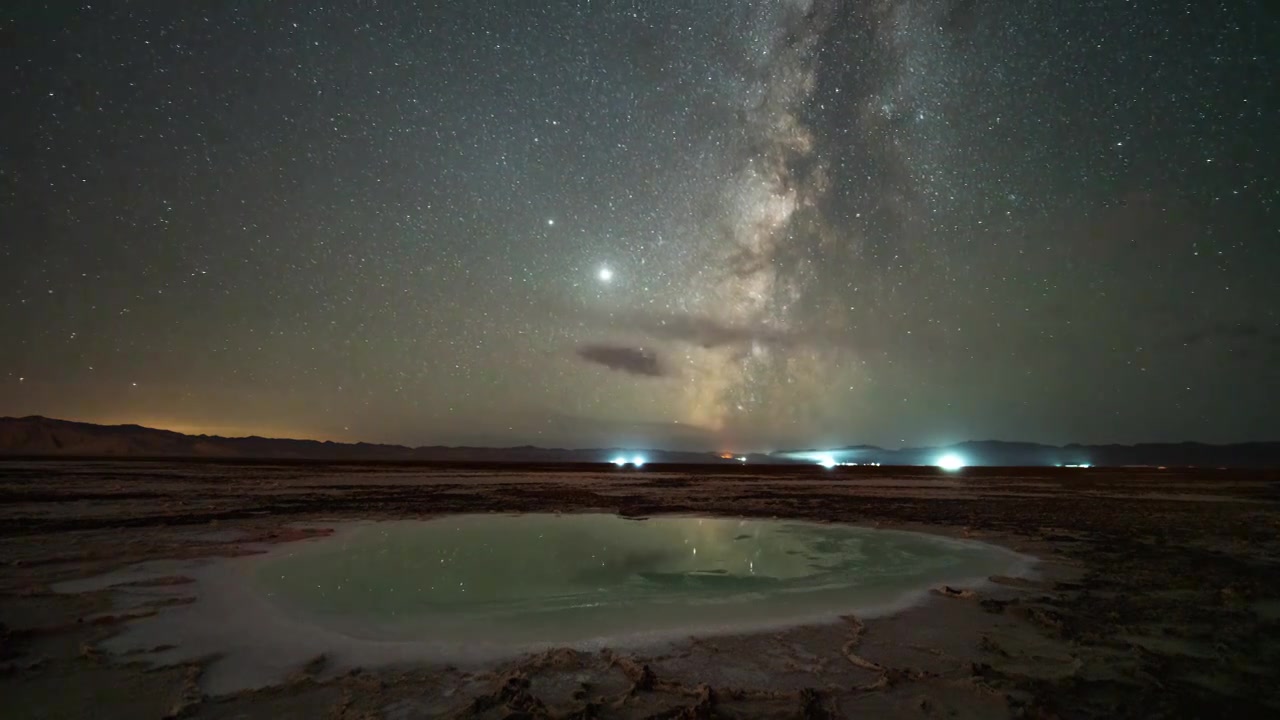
x: 1157, y: 593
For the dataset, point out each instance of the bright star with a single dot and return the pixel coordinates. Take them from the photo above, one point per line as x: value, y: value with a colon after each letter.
x: 605, y: 274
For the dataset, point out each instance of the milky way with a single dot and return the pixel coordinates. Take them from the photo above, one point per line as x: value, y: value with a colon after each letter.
x: 722, y: 225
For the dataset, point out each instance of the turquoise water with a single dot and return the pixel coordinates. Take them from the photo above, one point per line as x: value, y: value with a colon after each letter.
x: 570, y: 578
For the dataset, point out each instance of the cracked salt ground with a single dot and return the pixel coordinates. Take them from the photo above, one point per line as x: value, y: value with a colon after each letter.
x: 474, y: 588
x: 1112, y: 626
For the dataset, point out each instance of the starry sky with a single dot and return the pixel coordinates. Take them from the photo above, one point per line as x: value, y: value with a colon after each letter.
x: 725, y: 225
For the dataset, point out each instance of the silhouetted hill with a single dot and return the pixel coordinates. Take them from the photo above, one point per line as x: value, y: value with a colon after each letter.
x: 40, y: 436
x: 46, y: 436
x: 1019, y: 454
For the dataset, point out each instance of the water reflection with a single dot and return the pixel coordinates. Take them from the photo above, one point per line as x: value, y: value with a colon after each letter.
x: 559, y: 578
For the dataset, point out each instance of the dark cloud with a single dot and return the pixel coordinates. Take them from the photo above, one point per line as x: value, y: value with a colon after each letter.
x: 636, y: 361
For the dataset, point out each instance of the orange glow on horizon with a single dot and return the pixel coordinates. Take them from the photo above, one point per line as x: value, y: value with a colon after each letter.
x: 218, y: 429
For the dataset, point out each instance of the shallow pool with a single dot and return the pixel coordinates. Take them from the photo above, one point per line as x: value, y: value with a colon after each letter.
x: 521, y: 579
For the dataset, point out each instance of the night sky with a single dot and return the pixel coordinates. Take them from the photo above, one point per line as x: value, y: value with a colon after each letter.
x: 690, y: 224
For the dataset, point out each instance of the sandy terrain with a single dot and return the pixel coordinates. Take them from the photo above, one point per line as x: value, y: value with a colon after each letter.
x: 1159, y: 594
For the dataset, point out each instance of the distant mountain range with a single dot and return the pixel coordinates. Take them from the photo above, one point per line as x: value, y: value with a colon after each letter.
x: 997, y: 453
x: 40, y: 436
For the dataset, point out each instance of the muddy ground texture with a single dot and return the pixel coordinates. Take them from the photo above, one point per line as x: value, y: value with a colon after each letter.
x: 1160, y: 594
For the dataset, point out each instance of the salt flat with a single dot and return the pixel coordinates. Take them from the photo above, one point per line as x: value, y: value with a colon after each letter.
x: 1154, y: 595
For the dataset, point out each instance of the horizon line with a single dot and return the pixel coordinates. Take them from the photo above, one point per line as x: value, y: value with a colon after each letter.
x: 813, y: 449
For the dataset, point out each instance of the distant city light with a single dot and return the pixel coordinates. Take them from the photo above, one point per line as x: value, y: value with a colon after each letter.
x: 1080, y: 465
x: 619, y: 461
x: 827, y: 460
x: 638, y: 461
x: 950, y: 461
